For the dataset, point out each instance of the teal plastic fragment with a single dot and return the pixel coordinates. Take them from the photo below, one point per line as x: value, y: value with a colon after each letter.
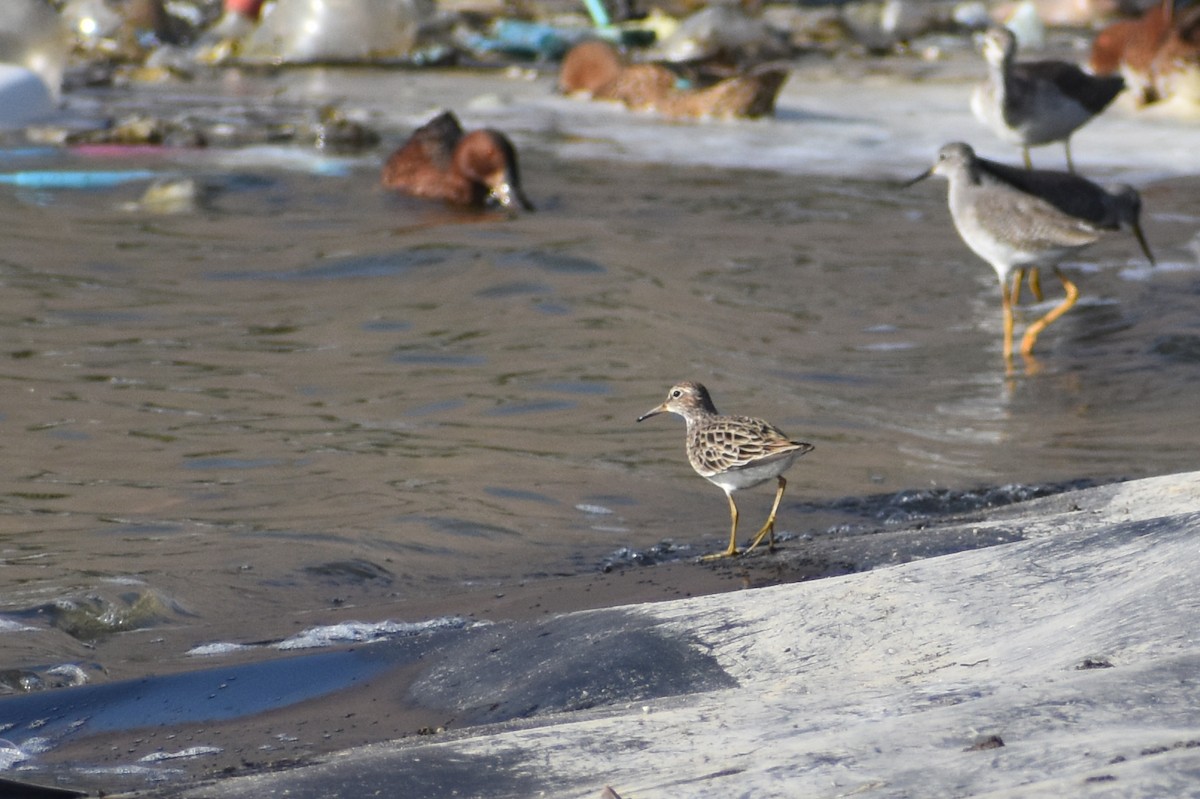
x: 50, y: 179
x: 598, y: 13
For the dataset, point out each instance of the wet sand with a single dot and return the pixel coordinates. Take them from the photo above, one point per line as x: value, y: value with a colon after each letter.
x: 378, y: 708
x: 384, y: 706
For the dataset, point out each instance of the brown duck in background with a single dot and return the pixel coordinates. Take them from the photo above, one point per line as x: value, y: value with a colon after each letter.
x: 1158, y: 54
x: 1129, y: 47
x: 596, y: 70
x: 442, y: 162
x: 1176, y: 66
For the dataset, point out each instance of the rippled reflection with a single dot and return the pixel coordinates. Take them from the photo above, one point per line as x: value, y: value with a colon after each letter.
x: 308, y: 394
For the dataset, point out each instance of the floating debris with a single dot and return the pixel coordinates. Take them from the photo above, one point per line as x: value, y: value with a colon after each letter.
x: 173, y: 196
x: 336, y: 31
x: 596, y: 70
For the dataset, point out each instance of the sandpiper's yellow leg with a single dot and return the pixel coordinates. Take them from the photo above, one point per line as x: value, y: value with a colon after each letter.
x: 1070, y: 163
x: 1028, y: 161
x: 1034, y: 330
x: 768, y: 529
x: 733, y: 550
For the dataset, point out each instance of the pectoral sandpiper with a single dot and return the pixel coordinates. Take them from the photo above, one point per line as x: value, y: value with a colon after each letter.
x: 733, y: 452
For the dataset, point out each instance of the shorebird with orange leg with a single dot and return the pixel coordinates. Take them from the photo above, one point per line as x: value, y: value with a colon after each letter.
x: 1037, y: 102
x: 1020, y: 221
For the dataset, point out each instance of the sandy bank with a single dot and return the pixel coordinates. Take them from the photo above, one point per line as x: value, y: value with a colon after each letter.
x: 1073, y: 647
x: 1058, y: 657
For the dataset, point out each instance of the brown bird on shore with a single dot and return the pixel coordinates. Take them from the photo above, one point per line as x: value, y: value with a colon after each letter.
x: 1129, y: 48
x: 442, y: 162
x: 1037, y: 102
x: 1176, y: 65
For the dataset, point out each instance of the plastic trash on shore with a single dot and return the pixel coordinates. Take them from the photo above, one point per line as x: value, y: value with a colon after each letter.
x: 73, y: 179
x: 33, y: 37
x: 315, y: 31
x: 127, y: 31
x: 884, y: 26
x: 24, y: 97
x: 1027, y: 26
x: 525, y: 39
x: 721, y: 31
x: 223, y: 40
x: 92, y: 21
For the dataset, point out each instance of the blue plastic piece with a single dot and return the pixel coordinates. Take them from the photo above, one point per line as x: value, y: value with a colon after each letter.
x: 598, y: 13
x: 50, y: 179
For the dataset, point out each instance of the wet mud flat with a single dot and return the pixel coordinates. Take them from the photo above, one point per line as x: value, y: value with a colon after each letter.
x: 513, y: 655
x: 1062, y: 599
x: 255, y: 708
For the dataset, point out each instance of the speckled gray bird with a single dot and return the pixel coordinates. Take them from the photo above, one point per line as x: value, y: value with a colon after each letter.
x: 732, y: 452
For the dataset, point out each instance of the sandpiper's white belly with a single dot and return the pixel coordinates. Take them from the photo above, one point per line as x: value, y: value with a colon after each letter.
x: 751, y: 475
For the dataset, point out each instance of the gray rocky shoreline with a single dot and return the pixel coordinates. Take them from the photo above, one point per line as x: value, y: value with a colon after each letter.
x: 1063, y: 661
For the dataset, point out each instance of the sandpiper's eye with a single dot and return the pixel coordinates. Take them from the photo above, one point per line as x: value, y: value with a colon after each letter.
x: 676, y: 394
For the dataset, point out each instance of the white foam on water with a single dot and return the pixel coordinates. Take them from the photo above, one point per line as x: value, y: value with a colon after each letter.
x: 69, y: 673
x: 12, y: 755
x: 364, y: 632
x: 216, y: 648
x: 349, y: 632
x: 10, y: 626
x: 190, y: 752
x: 878, y: 127
x: 1144, y: 271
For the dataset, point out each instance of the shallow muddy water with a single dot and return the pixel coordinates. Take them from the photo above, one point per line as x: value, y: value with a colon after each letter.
x: 309, y: 394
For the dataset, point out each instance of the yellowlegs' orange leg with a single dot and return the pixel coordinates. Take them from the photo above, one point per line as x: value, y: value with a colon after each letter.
x: 1018, y: 278
x: 1023, y: 221
x: 1035, y: 330
x: 1035, y: 283
x: 1006, y: 307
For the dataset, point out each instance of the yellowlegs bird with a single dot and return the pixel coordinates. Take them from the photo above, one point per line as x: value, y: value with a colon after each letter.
x: 733, y: 452
x: 1037, y: 102
x: 1022, y: 220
